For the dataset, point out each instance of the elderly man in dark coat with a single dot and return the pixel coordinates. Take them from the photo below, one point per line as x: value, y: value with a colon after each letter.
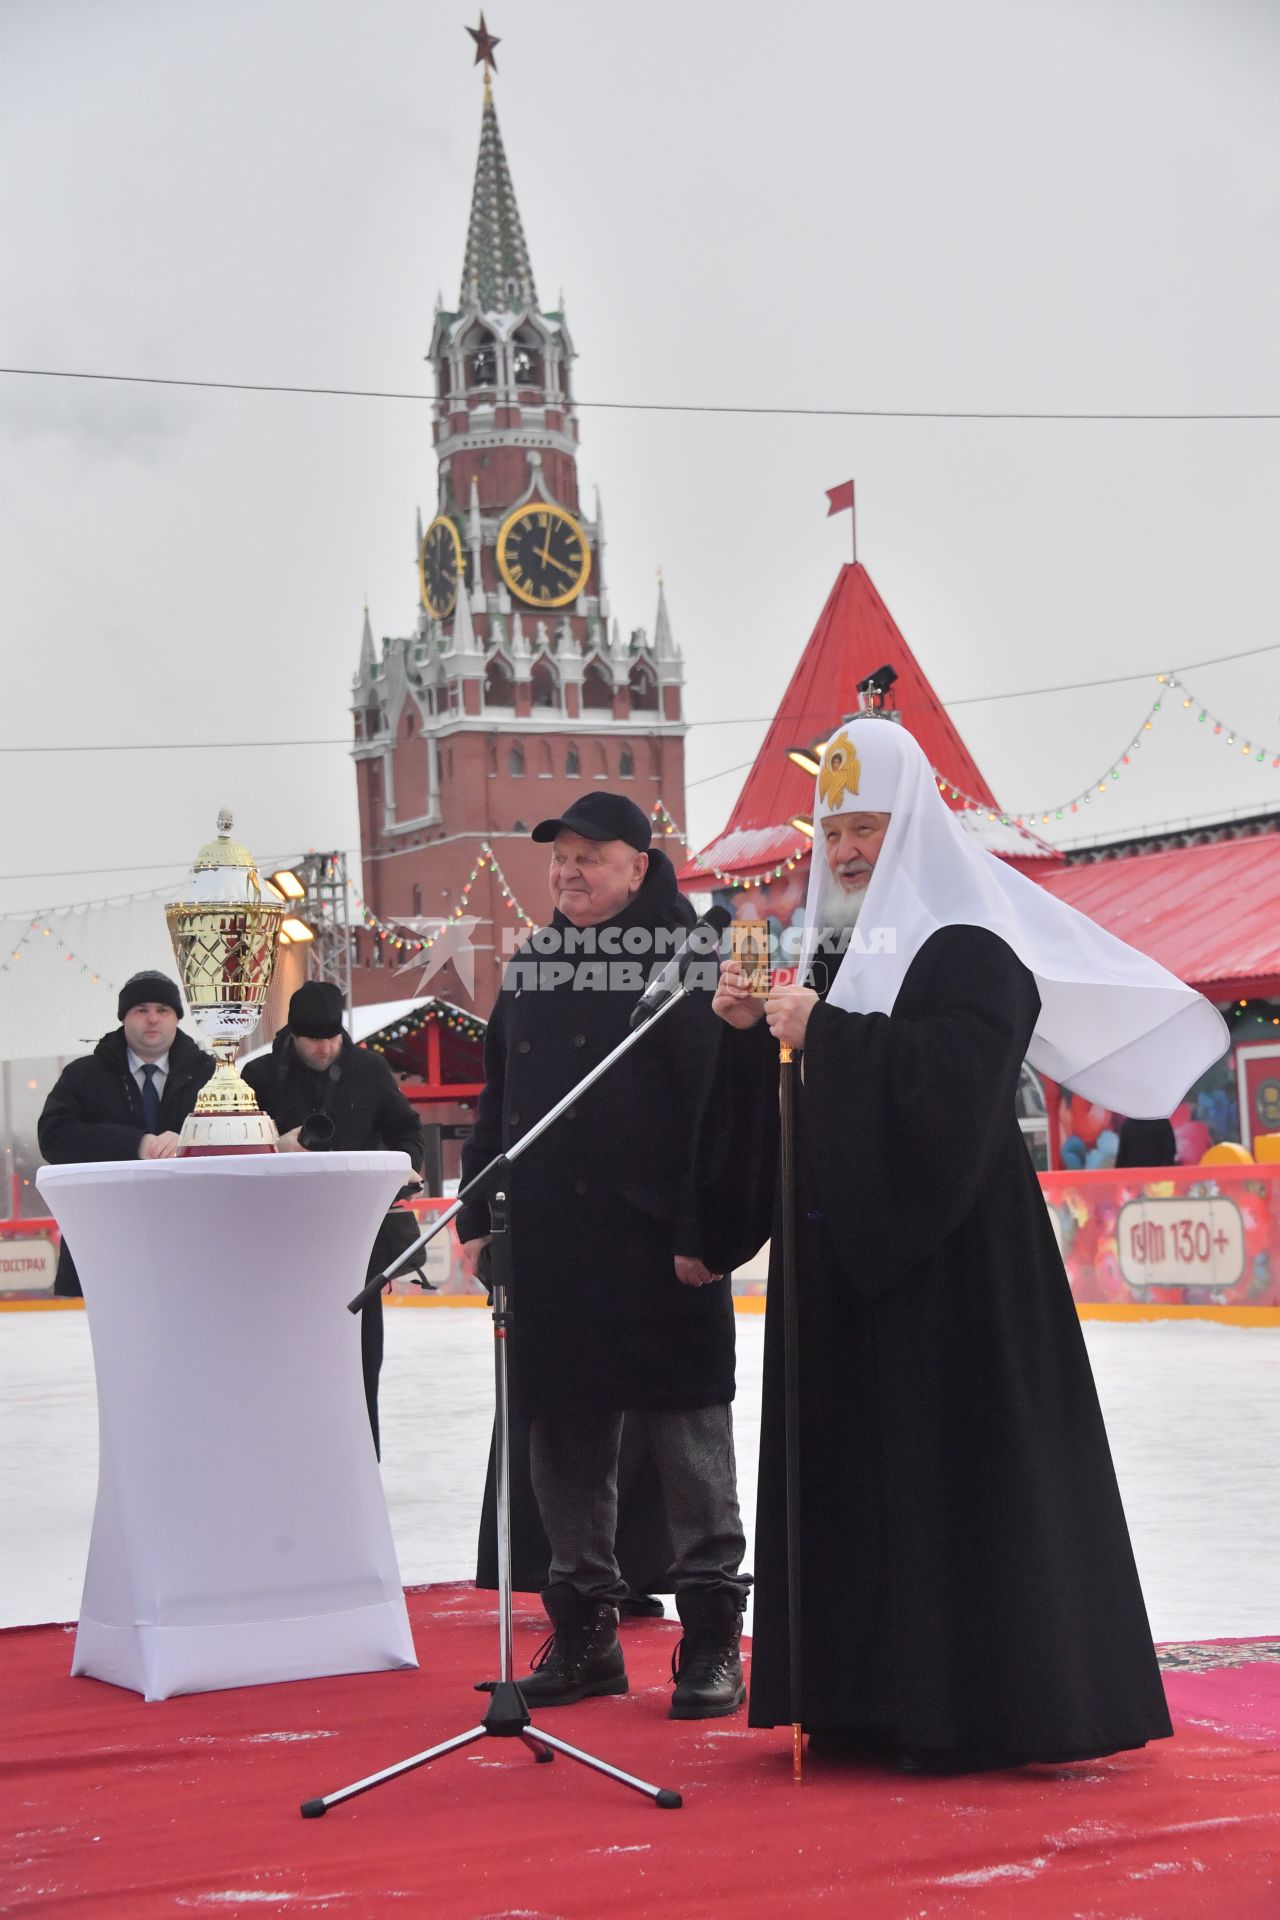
x: 614, y: 1310
x: 314, y: 1070
x: 127, y: 1099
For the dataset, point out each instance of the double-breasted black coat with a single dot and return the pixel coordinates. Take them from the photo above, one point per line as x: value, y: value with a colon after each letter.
x: 603, y: 1202
x: 94, y: 1112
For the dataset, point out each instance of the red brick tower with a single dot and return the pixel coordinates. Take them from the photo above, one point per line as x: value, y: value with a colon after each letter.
x: 517, y: 690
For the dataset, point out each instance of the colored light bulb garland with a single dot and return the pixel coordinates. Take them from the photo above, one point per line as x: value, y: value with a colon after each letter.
x: 38, y: 925
x: 411, y: 943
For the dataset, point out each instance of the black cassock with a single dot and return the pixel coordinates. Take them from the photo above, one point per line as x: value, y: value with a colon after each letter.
x: 968, y: 1581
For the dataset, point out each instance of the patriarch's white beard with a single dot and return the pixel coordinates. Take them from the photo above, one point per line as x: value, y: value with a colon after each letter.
x: 840, y: 910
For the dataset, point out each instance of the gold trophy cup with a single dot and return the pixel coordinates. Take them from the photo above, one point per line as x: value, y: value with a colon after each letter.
x: 225, y: 936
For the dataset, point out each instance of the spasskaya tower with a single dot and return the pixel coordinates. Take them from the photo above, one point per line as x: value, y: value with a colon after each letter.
x: 517, y: 688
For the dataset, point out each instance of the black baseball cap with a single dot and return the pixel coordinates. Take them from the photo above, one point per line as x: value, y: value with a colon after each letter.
x: 601, y: 816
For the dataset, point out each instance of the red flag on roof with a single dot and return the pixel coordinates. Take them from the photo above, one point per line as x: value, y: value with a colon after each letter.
x: 841, y: 498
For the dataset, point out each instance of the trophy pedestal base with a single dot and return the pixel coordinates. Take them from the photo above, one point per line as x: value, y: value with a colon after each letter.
x: 208, y: 1150
x: 215, y: 1133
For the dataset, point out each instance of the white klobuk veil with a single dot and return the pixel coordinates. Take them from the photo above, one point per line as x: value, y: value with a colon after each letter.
x: 1114, y: 1025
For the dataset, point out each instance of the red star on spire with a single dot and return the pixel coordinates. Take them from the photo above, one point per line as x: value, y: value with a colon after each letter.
x: 485, y: 44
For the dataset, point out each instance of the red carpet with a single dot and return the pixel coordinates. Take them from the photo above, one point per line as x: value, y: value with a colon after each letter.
x: 190, y: 1806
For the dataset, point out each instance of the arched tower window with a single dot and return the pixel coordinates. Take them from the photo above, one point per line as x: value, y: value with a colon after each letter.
x: 499, y: 687
x: 626, y: 764
x: 602, y: 761
x: 515, y: 758
x: 526, y: 358
x: 544, y: 684
x: 482, y: 359
x: 572, y: 763
x: 597, y: 688
x: 644, y: 688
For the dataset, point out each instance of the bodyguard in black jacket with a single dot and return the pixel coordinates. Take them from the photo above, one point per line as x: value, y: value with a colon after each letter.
x: 356, y: 1091
x: 126, y: 1100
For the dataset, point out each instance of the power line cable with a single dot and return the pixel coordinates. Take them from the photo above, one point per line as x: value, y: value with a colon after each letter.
x: 179, y: 746
x: 1116, y: 680
x: 639, y: 406
x: 179, y: 866
x: 742, y: 720
x: 706, y: 778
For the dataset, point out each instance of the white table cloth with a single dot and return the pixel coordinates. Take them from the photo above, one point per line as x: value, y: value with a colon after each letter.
x: 240, y: 1534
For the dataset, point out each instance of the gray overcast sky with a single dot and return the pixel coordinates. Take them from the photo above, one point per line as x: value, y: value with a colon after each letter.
x: 1027, y: 204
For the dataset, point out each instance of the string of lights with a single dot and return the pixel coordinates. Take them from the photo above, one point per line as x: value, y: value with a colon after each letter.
x: 1169, y: 683
x: 414, y: 944
x: 1263, y: 1010
x: 734, y: 881
x: 737, y: 882
x: 39, y: 925
x: 438, y: 1012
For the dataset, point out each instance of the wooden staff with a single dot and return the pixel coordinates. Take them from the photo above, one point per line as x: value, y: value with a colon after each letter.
x: 751, y: 952
x: 791, y: 1392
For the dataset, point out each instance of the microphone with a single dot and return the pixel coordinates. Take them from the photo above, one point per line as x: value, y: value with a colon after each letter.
x: 701, y: 941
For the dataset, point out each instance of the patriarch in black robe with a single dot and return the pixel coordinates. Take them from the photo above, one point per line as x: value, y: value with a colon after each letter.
x: 968, y: 1590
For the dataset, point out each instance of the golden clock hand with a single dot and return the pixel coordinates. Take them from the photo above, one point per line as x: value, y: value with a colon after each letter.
x: 560, y: 567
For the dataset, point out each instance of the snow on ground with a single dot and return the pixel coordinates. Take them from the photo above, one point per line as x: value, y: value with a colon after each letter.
x: 1192, y: 1408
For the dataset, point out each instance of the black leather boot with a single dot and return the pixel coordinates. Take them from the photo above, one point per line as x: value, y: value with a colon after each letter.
x: 641, y: 1606
x: 707, y: 1665
x: 581, y: 1658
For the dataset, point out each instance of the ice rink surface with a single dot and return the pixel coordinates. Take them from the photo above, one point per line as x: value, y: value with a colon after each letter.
x: 1192, y: 1407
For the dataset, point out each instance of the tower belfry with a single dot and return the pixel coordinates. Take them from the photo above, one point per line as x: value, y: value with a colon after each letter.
x: 517, y: 688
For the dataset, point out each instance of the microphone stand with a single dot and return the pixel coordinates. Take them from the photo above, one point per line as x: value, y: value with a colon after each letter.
x: 508, y: 1717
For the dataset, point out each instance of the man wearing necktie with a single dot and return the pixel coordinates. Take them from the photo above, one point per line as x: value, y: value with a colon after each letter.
x: 126, y: 1100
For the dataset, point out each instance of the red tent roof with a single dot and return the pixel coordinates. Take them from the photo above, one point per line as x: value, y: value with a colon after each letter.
x: 1211, y: 913
x: 855, y: 634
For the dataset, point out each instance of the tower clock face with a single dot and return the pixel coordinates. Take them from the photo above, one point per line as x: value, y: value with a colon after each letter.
x: 543, y: 555
x: 440, y: 567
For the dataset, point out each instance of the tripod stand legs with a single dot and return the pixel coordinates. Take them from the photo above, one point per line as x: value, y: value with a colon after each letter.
x: 313, y: 1809
x: 661, y: 1796
x: 507, y: 1719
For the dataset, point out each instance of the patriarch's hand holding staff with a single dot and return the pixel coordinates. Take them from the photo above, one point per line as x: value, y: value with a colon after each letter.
x: 787, y: 1010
